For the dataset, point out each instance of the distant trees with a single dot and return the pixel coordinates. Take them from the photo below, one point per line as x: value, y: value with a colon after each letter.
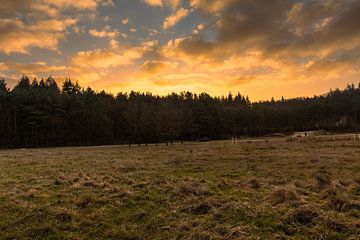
x: 40, y: 113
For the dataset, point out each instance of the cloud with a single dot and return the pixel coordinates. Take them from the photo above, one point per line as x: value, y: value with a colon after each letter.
x: 103, y: 33
x: 198, y: 28
x: 285, y: 26
x: 93, y: 65
x: 154, y: 3
x: 172, y: 3
x: 31, y: 68
x: 287, y: 37
x: 43, y: 8
x: 336, y: 63
x: 161, y: 3
x: 153, y: 67
x: 16, y: 36
x: 125, y: 21
x: 190, y: 49
x: 211, y: 6
x: 25, y: 24
x: 99, y: 58
x: 83, y: 4
x: 153, y: 32
x: 239, y: 81
x: 176, y: 17
x: 113, y: 44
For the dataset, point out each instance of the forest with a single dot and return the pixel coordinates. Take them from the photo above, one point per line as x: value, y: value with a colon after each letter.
x: 44, y: 114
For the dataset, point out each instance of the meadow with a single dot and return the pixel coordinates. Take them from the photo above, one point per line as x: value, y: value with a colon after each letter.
x: 306, y: 188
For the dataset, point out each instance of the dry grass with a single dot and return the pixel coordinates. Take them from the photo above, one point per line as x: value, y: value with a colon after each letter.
x: 274, y: 189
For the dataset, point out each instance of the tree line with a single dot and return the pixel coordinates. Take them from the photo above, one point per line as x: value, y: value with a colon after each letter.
x: 41, y: 114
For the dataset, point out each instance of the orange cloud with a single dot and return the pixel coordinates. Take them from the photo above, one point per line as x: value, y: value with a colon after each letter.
x: 198, y: 28
x: 93, y: 65
x: 154, y: 2
x: 103, y: 33
x: 212, y: 6
x: 161, y: 3
x: 99, y: 58
x: 173, y: 19
x: 39, y: 9
x: 125, y: 21
x: 82, y: 4
x: 16, y: 36
x: 32, y: 68
x: 45, y: 23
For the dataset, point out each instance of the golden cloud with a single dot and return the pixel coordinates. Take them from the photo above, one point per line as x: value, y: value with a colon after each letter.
x: 42, y: 8
x: 154, y: 2
x: 93, y: 65
x: 176, y: 17
x: 16, y: 36
x: 161, y: 3
x: 125, y: 21
x: 32, y: 68
x: 45, y: 23
x: 99, y: 58
x: 81, y: 4
x: 103, y: 33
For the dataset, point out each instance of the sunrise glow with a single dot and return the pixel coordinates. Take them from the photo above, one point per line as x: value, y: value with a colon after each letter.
x: 261, y: 48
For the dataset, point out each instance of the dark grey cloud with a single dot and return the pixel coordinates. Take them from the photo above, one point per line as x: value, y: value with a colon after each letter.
x: 281, y: 27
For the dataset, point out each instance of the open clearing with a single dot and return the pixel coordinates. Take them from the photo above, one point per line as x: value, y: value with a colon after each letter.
x: 274, y: 189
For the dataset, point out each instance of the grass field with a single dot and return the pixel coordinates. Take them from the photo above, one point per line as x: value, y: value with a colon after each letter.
x: 272, y: 189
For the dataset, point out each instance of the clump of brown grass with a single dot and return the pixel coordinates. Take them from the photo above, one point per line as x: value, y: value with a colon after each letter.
x: 122, y: 192
x: 191, y: 188
x: 140, y: 215
x: 254, y: 183
x: 235, y: 233
x: 203, y: 235
x: 126, y: 180
x: 336, y: 226
x: 342, y: 204
x: 109, y: 179
x: 31, y: 194
x: 302, y: 216
x: 201, y: 209
x: 85, y: 202
x: 323, y: 180
x: 63, y: 215
x: 282, y: 195
x: 337, y: 204
x: 228, y: 184
x: 224, y: 184
x: 329, y: 193
x: 278, y: 181
x: 82, y: 175
x: 57, y: 182
x: 344, y: 182
x: 355, y: 190
x: 105, y: 185
x: 89, y: 184
x: 357, y: 180
x: 301, y: 184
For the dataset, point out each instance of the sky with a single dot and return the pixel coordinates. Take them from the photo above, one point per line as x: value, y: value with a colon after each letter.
x: 260, y: 48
